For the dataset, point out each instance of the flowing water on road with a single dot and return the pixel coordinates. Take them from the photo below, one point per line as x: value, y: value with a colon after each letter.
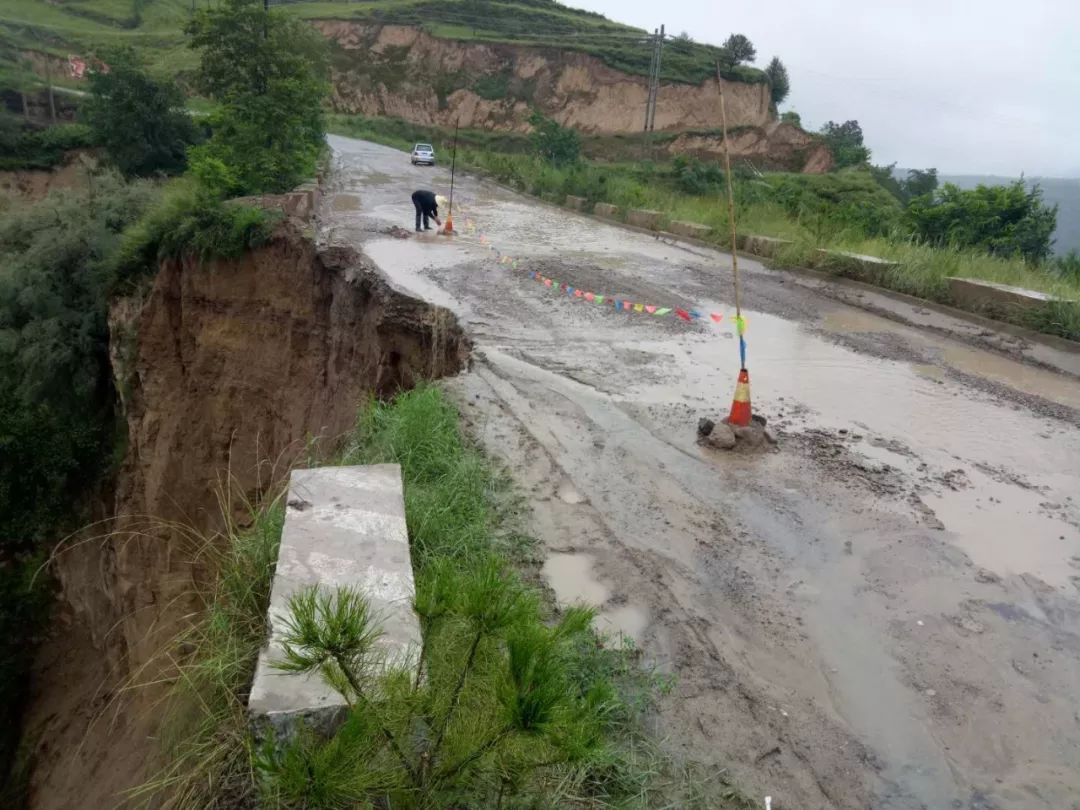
x: 885, y: 611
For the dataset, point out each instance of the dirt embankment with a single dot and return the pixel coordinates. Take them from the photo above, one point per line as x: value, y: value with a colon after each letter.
x: 226, y: 368
x: 404, y: 72
x: 29, y: 185
x: 775, y: 145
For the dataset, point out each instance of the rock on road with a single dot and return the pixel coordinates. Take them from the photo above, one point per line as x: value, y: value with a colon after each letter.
x: 882, y: 613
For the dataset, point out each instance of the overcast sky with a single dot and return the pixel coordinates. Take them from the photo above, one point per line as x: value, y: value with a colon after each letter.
x: 966, y: 86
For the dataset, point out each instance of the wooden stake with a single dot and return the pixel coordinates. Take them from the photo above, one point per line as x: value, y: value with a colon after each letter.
x: 730, y: 194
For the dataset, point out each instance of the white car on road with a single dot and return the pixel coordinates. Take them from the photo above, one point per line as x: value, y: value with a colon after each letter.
x: 423, y: 153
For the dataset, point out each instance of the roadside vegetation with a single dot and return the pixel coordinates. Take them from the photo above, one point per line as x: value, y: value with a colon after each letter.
x: 512, y: 704
x: 1000, y: 233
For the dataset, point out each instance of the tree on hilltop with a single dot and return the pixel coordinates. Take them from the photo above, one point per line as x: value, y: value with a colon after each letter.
x: 740, y: 49
x: 779, y: 82
x: 845, y: 141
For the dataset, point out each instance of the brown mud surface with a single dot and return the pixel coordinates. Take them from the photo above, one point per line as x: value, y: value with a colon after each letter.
x: 884, y: 612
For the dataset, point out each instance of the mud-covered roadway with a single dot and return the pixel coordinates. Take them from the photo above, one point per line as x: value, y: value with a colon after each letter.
x: 884, y: 612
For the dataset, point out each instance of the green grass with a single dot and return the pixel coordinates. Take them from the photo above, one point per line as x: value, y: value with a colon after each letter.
x: 575, y: 738
x: 155, y: 27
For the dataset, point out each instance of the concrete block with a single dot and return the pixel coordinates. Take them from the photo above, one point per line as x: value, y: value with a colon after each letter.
x: 976, y: 294
x: 643, y: 218
x: 344, y: 526
x: 766, y: 246
x: 691, y: 229
x: 577, y: 203
x: 606, y: 210
x: 857, y: 262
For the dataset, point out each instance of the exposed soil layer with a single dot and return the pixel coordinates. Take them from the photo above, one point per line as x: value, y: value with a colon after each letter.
x: 230, y: 372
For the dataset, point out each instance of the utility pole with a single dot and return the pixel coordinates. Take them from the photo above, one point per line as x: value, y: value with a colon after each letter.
x: 652, y: 72
x: 656, y: 77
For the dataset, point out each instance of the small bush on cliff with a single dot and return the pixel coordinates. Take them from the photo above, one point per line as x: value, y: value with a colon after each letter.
x: 554, y: 143
x: 188, y: 218
x: 24, y: 147
x: 268, y: 73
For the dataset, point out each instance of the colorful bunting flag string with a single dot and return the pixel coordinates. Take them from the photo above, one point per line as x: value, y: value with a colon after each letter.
x: 619, y: 304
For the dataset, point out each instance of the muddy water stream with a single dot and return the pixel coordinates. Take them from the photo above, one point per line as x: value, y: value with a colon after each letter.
x: 887, y: 605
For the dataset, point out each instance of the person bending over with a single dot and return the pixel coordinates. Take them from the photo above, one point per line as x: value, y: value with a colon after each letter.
x: 427, y: 207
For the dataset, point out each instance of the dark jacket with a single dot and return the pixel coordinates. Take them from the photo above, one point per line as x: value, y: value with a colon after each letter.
x: 426, y: 202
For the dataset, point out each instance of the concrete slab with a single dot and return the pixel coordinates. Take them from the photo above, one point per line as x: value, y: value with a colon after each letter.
x: 606, y: 210
x: 344, y: 526
x: 644, y: 218
x: 767, y: 246
x: 974, y: 293
x: 855, y: 261
x: 691, y: 229
x: 577, y: 203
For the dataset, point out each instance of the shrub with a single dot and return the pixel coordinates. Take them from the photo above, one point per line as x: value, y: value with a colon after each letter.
x: 556, y: 144
x: 1009, y: 220
x: 845, y: 141
x: 23, y: 147
x: 188, y: 218
x: 140, y: 121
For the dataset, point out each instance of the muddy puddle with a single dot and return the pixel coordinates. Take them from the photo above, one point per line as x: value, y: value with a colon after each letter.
x: 572, y: 578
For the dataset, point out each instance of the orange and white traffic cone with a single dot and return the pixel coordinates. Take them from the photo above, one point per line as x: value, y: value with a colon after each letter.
x: 740, y: 406
x: 448, y: 228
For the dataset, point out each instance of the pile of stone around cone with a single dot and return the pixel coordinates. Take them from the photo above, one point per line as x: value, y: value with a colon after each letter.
x: 724, y: 436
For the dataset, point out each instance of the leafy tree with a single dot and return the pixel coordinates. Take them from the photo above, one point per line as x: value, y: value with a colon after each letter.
x: 140, y: 121
x: 779, y: 82
x: 1009, y: 220
x: 920, y: 181
x: 885, y: 176
x: 685, y: 37
x: 268, y: 72
x: 557, y: 144
x: 791, y: 117
x: 740, y: 49
x: 846, y: 143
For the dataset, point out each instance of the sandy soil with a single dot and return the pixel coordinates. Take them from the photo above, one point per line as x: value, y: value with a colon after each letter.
x: 884, y: 611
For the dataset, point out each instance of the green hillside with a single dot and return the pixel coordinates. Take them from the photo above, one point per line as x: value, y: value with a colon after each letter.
x: 62, y: 27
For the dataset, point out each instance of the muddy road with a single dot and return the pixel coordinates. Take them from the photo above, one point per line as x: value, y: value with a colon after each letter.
x: 883, y: 612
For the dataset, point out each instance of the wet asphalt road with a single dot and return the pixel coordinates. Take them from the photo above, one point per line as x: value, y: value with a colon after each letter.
x: 884, y: 611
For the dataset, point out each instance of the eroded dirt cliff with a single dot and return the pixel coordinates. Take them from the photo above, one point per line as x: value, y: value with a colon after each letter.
x: 228, y: 368
x: 403, y: 72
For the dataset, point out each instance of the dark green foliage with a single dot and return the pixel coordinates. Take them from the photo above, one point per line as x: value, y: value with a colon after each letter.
x: 1068, y: 266
x: 268, y: 73
x: 187, y: 219
x: 1006, y: 220
x: 791, y: 117
x: 779, y: 81
x: 493, y: 87
x: 846, y: 143
x: 25, y: 147
x: 917, y: 183
x: 556, y: 144
x: 843, y: 201
x: 696, y: 177
x: 920, y: 182
x: 141, y: 121
x: 56, y: 398
x: 740, y: 49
